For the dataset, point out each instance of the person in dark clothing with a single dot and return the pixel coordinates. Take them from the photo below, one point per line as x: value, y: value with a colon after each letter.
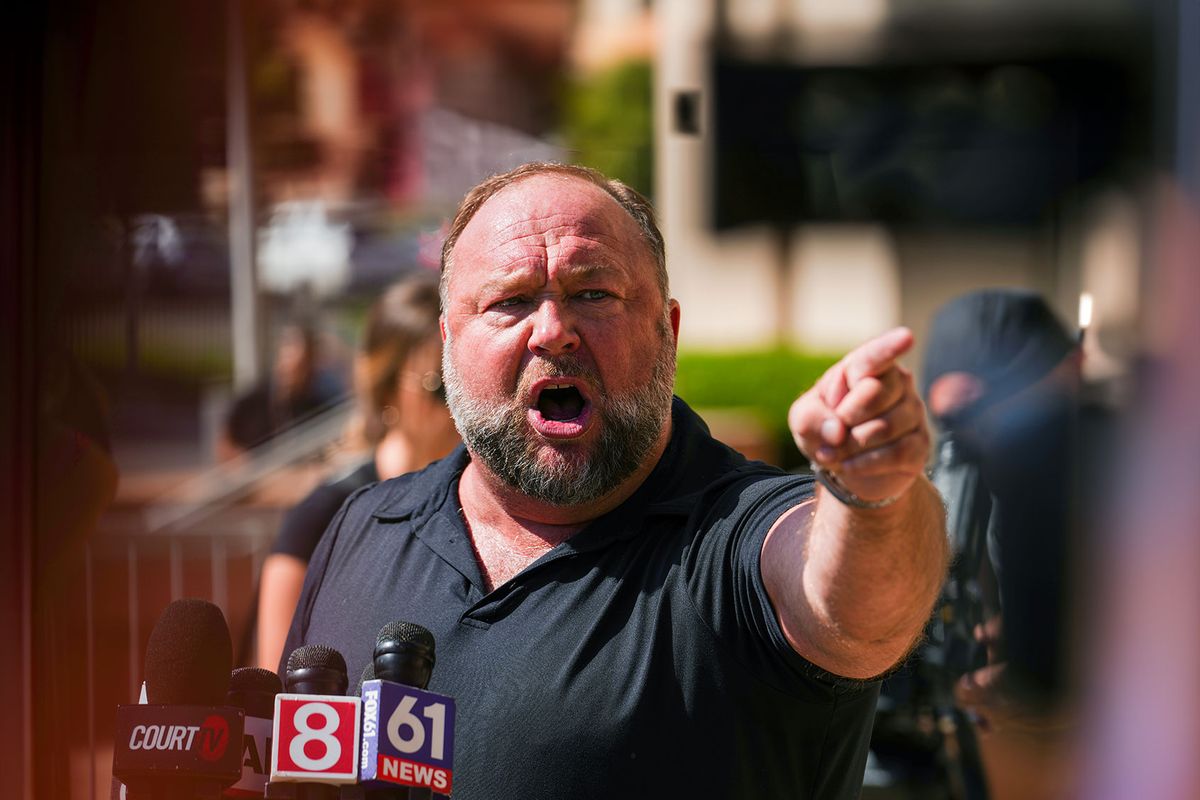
x: 1003, y: 378
x: 296, y: 390
x: 403, y: 419
x: 623, y: 606
x: 1021, y: 461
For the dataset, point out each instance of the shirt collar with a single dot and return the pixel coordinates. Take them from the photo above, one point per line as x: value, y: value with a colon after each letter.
x: 691, y: 461
x: 425, y: 491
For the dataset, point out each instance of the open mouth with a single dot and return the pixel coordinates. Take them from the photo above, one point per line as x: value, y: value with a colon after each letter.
x: 560, y: 402
x: 561, y: 410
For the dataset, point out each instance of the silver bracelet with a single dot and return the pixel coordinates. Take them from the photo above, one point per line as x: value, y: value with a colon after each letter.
x: 844, y: 495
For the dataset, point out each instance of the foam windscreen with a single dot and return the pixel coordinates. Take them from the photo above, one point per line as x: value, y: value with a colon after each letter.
x: 254, y: 689
x: 189, y: 655
x: 368, y: 674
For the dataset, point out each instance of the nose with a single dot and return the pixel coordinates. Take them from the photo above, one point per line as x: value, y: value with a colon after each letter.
x: 553, y: 331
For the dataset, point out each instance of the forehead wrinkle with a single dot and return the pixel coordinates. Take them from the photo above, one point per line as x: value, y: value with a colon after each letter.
x: 516, y: 274
x: 556, y: 224
x: 535, y: 231
x: 512, y: 276
x: 525, y: 245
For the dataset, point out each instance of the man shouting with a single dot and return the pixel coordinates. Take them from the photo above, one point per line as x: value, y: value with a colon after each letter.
x: 623, y: 606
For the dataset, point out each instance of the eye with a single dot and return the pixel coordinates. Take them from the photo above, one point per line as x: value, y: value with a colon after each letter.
x: 509, y: 302
x: 594, y: 294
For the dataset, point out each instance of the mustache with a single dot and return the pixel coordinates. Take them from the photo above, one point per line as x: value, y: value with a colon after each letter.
x: 563, y: 366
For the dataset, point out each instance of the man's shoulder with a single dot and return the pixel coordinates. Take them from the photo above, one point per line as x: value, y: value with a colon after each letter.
x: 412, y: 494
x: 696, y: 463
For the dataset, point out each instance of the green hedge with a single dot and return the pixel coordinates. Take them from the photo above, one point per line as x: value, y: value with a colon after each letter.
x: 761, y: 383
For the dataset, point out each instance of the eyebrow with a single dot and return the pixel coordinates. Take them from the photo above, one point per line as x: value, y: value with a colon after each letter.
x: 583, y: 272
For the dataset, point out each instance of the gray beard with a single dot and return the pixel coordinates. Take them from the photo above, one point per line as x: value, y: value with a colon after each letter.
x: 498, y: 433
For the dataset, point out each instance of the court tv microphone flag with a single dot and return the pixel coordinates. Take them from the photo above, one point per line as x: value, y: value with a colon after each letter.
x: 184, y: 742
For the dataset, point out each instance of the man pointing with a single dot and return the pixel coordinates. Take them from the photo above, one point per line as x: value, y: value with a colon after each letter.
x: 624, y: 607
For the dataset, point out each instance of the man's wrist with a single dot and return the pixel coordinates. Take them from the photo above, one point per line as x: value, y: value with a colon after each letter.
x: 844, y: 495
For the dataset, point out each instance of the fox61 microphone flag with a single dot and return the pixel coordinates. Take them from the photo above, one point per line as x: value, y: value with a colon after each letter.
x: 408, y: 736
x: 316, y: 738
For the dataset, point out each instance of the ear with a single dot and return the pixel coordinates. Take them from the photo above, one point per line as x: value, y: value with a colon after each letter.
x: 673, y: 305
x: 442, y: 327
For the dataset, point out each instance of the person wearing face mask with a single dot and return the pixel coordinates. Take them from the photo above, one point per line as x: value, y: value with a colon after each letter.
x: 1002, y: 379
x: 403, y: 418
x: 1023, y: 460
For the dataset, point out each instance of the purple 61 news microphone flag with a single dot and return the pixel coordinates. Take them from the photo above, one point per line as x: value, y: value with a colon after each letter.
x: 408, y: 732
x: 408, y: 736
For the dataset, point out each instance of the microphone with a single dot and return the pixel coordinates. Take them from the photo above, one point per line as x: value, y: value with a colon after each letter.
x: 178, y: 744
x: 368, y: 674
x: 253, y: 690
x: 372, y: 790
x: 404, y: 653
x: 408, y: 733
x: 316, y: 727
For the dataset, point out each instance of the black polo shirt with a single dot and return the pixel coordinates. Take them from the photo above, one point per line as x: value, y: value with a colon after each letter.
x: 641, y: 658
x: 305, y: 523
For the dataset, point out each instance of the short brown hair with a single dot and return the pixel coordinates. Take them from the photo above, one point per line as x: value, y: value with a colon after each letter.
x: 636, y: 205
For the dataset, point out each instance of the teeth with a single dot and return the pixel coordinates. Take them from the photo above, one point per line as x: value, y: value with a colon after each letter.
x: 558, y: 386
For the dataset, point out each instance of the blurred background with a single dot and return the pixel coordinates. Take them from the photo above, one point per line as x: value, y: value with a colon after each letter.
x: 190, y: 183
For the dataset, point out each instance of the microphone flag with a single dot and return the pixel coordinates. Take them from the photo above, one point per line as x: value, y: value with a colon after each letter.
x: 408, y: 736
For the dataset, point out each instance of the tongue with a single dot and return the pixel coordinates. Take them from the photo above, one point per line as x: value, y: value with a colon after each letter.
x: 560, y: 404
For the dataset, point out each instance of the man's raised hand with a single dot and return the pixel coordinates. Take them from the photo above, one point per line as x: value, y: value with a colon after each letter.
x: 863, y: 420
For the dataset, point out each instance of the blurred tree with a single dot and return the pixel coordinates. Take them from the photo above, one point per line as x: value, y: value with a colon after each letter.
x: 762, y: 383
x: 608, y: 122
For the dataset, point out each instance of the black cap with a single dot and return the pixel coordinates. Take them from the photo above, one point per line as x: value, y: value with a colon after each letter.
x: 189, y: 655
x: 1008, y: 338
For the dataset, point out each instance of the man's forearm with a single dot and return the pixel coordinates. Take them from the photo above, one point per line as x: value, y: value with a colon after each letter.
x: 874, y: 574
x: 854, y: 587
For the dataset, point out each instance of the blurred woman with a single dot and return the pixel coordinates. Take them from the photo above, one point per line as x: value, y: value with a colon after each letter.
x: 404, y: 417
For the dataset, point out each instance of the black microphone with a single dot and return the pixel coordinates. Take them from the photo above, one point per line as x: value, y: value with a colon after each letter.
x: 408, y: 732
x: 253, y: 689
x: 373, y: 790
x: 316, y: 669
x: 314, y: 744
x: 361, y: 791
x: 368, y: 674
x: 184, y: 742
x: 404, y: 653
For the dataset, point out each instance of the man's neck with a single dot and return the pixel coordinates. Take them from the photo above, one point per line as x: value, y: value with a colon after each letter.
x: 510, y: 530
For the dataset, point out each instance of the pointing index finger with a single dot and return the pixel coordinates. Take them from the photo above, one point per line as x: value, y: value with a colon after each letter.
x: 878, y: 355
